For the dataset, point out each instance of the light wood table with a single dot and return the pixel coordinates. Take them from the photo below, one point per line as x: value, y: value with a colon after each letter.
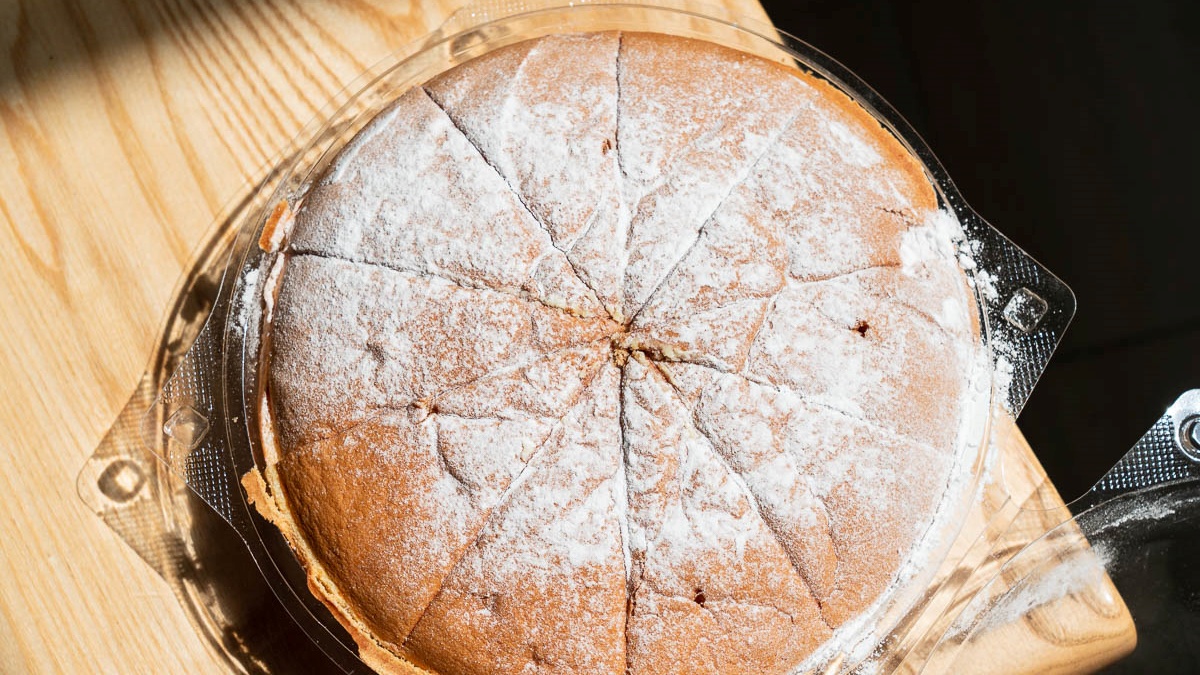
x: 125, y: 126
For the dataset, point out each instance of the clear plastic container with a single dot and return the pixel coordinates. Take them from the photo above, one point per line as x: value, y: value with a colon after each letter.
x: 198, y: 412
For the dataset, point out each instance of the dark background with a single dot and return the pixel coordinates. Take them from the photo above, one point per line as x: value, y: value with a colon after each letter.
x: 1070, y: 127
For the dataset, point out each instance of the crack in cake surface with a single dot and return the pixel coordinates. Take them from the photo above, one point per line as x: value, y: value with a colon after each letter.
x: 737, y: 183
x: 525, y: 473
x: 521, y: 199
x: 750, y: 494
x: 460, y: 281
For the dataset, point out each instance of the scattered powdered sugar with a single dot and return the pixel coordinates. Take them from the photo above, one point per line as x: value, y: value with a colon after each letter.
x: 1082, y: 571
x: 1139, y: 512
x: 855, y: 150
x: 986, y: 282
x: 686, y: 144
x: 271, y: 285
x: 1002, y: 373
x: 951, y: 314
x: 934, y: 239
x: 248, y: 302
x: 344, y: 168
x: 547, y: 146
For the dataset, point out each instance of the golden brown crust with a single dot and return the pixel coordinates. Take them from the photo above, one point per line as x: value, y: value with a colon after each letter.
x: 376, y: 656
x: 276, y: 226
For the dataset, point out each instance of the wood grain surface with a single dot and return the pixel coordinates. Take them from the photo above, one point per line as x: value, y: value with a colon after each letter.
x: 125, y: 127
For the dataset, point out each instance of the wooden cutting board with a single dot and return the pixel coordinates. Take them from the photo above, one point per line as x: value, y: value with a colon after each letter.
x: 125, y: 126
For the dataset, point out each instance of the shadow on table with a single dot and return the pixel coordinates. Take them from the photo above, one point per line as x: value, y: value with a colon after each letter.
x: 44, y: 38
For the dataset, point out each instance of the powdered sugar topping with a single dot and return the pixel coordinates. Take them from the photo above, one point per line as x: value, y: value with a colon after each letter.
x: 674, y: 360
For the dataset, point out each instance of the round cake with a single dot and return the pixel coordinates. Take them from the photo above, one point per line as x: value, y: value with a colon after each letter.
x: 614, y: 353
